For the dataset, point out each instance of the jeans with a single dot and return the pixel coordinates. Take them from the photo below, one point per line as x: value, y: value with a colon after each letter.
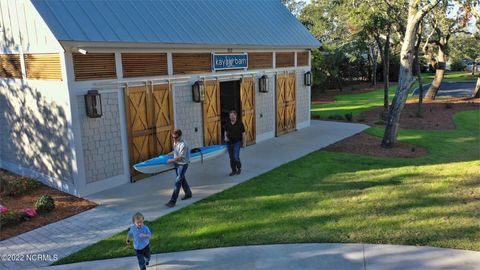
x: 142, y: 255
x: 234, y: 154
x: 180, y: 181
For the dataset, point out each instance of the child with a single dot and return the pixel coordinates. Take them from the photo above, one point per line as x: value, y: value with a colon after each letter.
x: 141, y: 234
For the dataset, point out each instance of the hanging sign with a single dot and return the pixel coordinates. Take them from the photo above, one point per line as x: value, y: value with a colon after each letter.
x: 229, y: 61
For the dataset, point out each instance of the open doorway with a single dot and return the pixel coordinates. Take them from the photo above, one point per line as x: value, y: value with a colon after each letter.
x: 229, y: 100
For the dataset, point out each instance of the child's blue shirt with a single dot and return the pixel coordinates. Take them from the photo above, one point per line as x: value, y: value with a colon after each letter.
x: 140, y: 242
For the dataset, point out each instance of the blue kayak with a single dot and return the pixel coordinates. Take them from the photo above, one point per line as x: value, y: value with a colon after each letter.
x: 159, y: 164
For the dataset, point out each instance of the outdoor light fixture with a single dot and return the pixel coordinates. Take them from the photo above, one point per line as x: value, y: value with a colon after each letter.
x: 307, y: 78
x: 263, y: 83
x: 198, y: 91
x: 82, y: 51
x: 93, y: 101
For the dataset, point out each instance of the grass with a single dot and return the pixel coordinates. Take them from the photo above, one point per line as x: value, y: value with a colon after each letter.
x: 353, y: 103
x: 337, y: 197
x: 453, y: 76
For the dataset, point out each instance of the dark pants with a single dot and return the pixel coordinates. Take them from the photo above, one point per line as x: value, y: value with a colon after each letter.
x: 234, y: 154
x: 180, y: 181
x: 142, y: 255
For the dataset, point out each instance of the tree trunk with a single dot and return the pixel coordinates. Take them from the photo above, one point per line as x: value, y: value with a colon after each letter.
x: 419, y: 77
x: 476, y: 92
x: 386, y: 76
x: 405, y: 79
x: 439, y: 73
x: 374, y: 64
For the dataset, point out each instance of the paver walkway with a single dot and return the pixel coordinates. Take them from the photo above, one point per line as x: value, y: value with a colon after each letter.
x: 117, y: 205
x: 300, y: 257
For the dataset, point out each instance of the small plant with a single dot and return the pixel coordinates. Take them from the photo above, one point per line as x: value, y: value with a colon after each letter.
x: 20, y: 186
x: 10, y: 218
x: 3, y: 209
x: 45, y: 204
x: 349, y: 117
x: 29, y: 213
x: 448, y: 106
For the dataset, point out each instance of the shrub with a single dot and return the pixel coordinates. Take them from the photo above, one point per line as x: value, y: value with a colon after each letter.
x: 336, y: 117
x: 10, y: 218
x: 349, y: 117
x: 20, y: 186
x: 45, y: 204
x: 29, y: 213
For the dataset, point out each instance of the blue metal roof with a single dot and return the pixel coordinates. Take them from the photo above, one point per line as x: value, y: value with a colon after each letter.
x: 202, y: 22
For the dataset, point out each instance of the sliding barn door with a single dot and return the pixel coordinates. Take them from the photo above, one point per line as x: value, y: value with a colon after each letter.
x: 211, y: 114
x: 247, y: 99
x: 285, y: 103
x: 149, y: 115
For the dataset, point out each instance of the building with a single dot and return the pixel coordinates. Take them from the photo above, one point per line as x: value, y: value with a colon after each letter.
x: 141, y: 59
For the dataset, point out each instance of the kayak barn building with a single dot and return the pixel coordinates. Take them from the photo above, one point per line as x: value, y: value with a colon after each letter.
x: 91, y: 87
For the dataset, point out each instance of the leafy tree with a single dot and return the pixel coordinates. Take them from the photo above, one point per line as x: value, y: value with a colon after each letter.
x: 417, y: 9
x: 444, y: 23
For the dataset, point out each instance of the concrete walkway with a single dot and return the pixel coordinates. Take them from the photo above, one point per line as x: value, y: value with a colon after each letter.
x: 117, y: 205
x: 301, y: 257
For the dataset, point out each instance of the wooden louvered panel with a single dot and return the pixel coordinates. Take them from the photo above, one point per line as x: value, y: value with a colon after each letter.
x: 302, y: 59
x: 260, y: 60
x: 285, y: 59
x: 189, y: 63
x: 10, y: 66
x: 43, y: 66
x: 94, y: 66
x: 144, y: 64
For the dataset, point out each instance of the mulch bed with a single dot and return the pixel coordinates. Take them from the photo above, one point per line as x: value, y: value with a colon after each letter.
x: 436, y: 115
x: 66, y: 205
x: 365, y: 144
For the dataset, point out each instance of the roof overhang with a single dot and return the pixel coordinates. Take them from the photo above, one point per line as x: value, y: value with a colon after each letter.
x: 172, y: 46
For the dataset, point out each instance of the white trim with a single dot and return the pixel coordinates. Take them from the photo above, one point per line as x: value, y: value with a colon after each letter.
x: 265, y: 136
x: 123, y: 134
x: 101, y: 185
x: 78, y: 164
x: 169, y: 64
x: 118, y: 65
x: 304, y: 124
x: 295, y: 59
x: 89, y: 45
x: 47, y: 180
x: 274, y: 60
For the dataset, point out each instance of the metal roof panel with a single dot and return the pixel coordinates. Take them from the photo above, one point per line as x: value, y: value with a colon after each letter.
x: 205, y: 22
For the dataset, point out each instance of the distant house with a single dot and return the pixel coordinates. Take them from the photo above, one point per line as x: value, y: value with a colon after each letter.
x: 141, y: 59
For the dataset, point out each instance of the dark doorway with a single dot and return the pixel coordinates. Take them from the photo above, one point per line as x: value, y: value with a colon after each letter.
x: 229, y: 100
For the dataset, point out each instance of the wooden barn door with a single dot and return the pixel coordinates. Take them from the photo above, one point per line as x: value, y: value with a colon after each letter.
x: 247, y: 99
x: 285, y: 103
x: 149, y: 115
x: 280, y: 104
x: 211, y: 114
x: 290, y: 119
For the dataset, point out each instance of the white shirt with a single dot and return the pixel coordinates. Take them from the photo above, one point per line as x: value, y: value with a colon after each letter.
x: 181, y: 149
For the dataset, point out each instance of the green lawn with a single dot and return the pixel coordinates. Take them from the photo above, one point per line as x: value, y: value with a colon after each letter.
x: 337, y: 197
x: 455, y: 76
x: 353, y: 103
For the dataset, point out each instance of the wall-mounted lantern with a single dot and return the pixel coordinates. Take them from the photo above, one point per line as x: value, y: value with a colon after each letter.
x: 263, y: 84
x: 198, y: 91
x: 93, y: 102
x: 307, y: 80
